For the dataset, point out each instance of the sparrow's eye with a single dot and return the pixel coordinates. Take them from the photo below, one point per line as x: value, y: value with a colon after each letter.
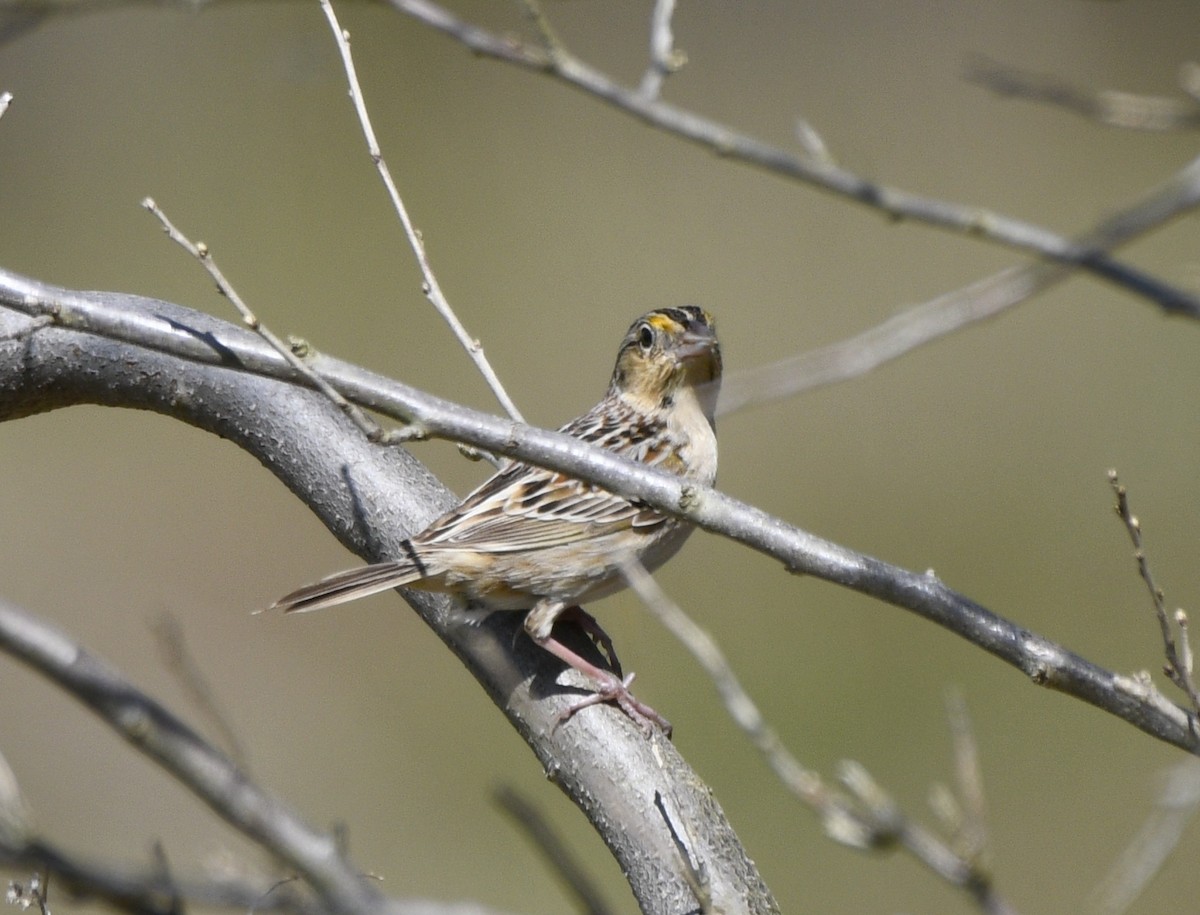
x: 646, y: 338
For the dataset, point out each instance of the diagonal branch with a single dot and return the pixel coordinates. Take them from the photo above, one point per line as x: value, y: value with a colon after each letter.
x: 148, y: 328
x: 868, y: 817
x: 159, y: 356
x: 1105, y: 106
x: 150, y: 892
x: 431, y: 287
x: 156, y: 733
x: 932, y: 320
x: 819, y: 172
x: 208, y: 773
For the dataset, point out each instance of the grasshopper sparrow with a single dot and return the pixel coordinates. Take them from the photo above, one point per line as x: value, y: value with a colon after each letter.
x: 538, y: 540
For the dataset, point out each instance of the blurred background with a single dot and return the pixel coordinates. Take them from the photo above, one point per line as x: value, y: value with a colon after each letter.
x: 553, y: 220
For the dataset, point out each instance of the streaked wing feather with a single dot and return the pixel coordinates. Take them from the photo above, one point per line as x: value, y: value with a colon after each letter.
x: 528, y: 508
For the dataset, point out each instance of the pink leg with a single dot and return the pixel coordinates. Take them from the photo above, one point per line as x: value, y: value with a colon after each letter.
x: 539, y: 623
x: 610, y: 688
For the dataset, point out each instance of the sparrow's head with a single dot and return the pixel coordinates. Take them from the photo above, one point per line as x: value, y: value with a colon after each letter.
x: 666, y: 350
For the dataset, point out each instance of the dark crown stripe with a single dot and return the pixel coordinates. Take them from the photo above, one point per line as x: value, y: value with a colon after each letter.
x: 685, y: 314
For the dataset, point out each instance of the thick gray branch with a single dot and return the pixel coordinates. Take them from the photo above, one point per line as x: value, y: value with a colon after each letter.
x: 158, y: 356
x: 50, y: 374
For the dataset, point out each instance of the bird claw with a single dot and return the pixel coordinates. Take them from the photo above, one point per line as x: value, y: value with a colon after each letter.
x: 613, y: 689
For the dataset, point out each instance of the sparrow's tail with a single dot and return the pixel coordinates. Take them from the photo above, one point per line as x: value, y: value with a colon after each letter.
x: 350, y: 585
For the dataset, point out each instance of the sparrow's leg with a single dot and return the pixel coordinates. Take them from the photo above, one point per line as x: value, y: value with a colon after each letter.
x: 596, y: 632
x: 609, y: 687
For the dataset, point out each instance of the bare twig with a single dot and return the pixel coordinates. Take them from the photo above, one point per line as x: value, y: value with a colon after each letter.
x: 149, y: 892
x: 1144, y: 856
x: 371, y: 429
x: 553, y: 849
x: 893, y: 338
x: 665, y: 59
x: 212, y: 777
x: 162, y: 870
x: 971, y: 832
x: 546, y: 33
x: 431, y: 287
x: 31, y: 894
x: 1178, y: 654
x: 818, y: 172
x: 812, y: 143
x: 953, y: 311
x: 14, y: 813
x: 137, y: 323
x: 893, y: 827
x: 179, y: 661
x: 1109, y: 107
x: 1189, y: 80
x: 804, y: 783
x: 875, y: 821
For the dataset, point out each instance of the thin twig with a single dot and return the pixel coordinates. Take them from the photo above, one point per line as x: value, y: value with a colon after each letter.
x: 549, y: 37
x: 32, y: 894
x: 1108, y: 107
x: 162, y: 870
x: 148, y: 891
x: 155, y: 732
x: 664, y: 58
x: 1143, y: 858
x: 823, y: 174
x: 371, y: 429
x: 894, y: 827
x: 1189, y: 80
x: 968, y: 775
x: 1179, y: 659
x: 431, y: 287
x: 813, y: 143
x: 953, y: 311
x: 804, y: 783
x: 874, y: 822
x: 553, y: 849
x: 14, y: 812
x: 142, y: 327
x: 179, y: 661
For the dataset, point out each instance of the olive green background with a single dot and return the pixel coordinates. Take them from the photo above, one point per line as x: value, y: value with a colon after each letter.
x: 552, y: 221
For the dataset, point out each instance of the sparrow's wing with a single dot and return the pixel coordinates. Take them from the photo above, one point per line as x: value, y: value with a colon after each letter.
x: 528, y: 508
